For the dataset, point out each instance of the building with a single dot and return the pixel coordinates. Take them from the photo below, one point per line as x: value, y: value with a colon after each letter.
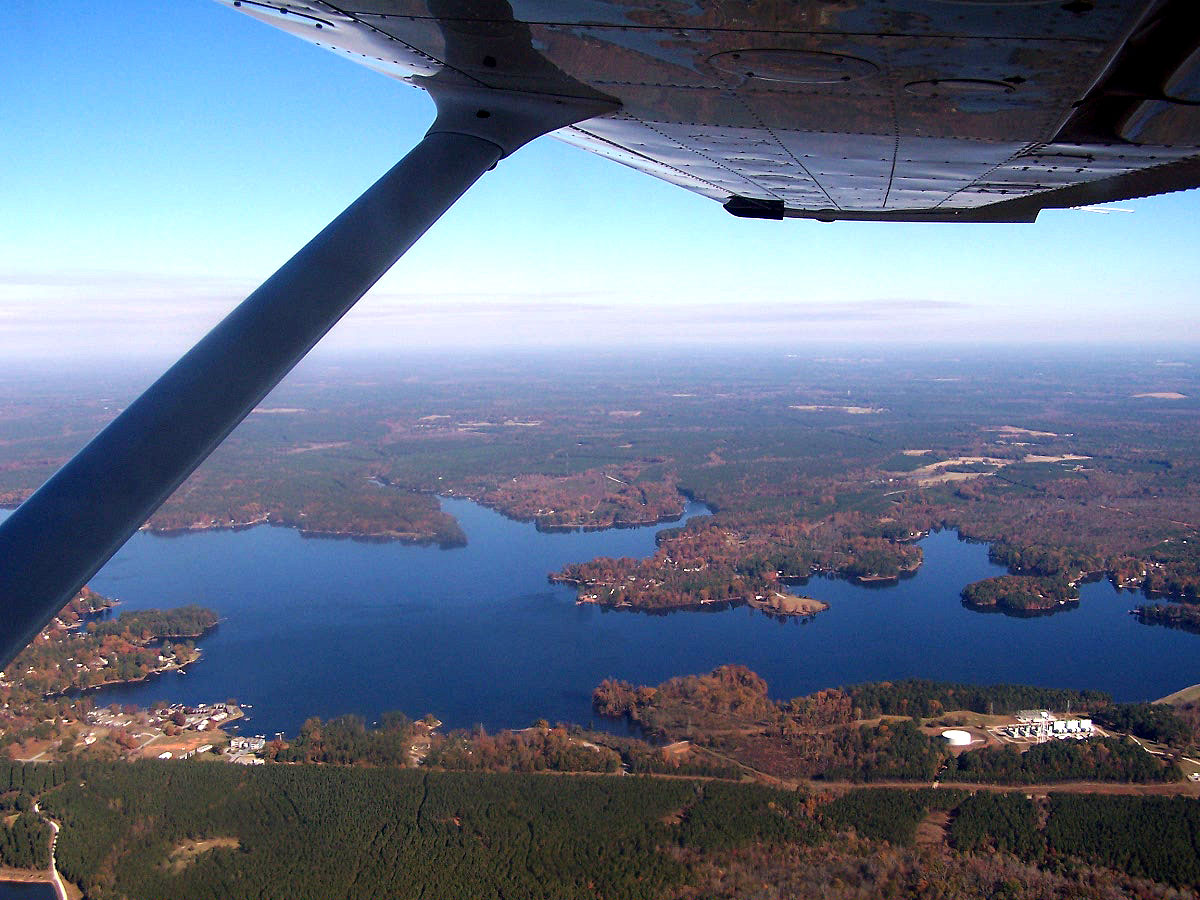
x: 248, y: 744
x: 1041, y: 725
x: 1032, y: 716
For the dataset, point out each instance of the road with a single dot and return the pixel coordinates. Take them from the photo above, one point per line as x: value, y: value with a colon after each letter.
x: 60, y: 889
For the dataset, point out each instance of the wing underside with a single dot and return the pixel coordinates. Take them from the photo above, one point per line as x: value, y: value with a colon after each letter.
x: 939, y: 110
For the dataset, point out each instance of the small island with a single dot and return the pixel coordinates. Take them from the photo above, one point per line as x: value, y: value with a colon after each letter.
x: 1019, y: 593
x: 704, y: 564
x: 603, y: 582
x: 778, y: 603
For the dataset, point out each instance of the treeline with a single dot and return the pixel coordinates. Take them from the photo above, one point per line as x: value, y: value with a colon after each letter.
x: 124, y: 649
x: 1174, y: 570
x: 190, y: 621
x: 1158, y: 722
x: 345, y: 740
x: 321, y: 493
x: 1157, y: 838
x: 32, y: 779
x: 1173, y: 615
x: 1026, y: 523
x: 535, y: 749
x: 1020, y: 593
x: 1180, y: 580
x: 86, y: 603
x: 395, y: 741
x: 921, y: 697
x: 1096, y: 759
x: 889, y: 751
x: 727, y: 693
x: 1045, y: 561
x: 858, y: 869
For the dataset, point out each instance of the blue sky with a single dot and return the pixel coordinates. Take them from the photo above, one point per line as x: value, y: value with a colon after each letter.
x: 162, y: 159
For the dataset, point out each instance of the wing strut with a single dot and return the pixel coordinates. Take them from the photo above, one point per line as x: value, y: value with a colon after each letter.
x: 61, y: 535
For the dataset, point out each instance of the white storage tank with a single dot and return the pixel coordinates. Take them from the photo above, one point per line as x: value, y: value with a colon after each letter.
x: 957, y: 737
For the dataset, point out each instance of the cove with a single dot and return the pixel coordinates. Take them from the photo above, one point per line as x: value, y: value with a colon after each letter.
x: 475, y: 634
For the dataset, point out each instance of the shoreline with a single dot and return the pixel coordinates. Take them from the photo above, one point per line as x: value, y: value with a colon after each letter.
x: 14, y: 875
x: 583, y: 528
x: 173, y: 667
x: 410, y: 538
x: 803, y: 608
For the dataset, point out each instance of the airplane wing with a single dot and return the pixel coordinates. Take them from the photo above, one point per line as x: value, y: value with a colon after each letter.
x: 908, y: 110
x: 889, y: 110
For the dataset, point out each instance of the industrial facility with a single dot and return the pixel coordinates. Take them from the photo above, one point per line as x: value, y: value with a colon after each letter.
x: 1042, y: 725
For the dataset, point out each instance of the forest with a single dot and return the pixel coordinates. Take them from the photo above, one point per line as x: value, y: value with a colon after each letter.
x: 345, y: 740
x: 889, y: 814
x: 1020, y: 593
x: 925, y: 698
x: 1096, y: 759
x: 617, y: 496
x: 329, y: 833
x: 534, y: 749
x: 190, y: 621
x: 25, y: 842
x: 699, y: 564
x: 1173, y: 615
x: 207, y: 831
x: 1158, y: 722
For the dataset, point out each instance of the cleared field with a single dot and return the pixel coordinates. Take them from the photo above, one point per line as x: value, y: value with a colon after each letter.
x: 1187, y: 695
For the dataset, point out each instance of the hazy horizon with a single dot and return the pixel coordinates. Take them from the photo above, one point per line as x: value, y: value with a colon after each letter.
x: 129, y: 320
x: 148, y: 198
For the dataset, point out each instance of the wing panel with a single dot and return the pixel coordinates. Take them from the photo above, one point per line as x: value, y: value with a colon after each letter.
x: 862, y: 109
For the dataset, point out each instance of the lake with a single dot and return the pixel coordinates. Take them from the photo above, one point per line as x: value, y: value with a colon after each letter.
x: 20, y: 890
x: 477, y: 635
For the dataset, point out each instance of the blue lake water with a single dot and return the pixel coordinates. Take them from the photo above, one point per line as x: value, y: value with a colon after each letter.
x: 17, y: 890
x: 477, y: 635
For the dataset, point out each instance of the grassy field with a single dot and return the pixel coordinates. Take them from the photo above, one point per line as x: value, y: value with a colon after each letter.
x: 1187, y: 695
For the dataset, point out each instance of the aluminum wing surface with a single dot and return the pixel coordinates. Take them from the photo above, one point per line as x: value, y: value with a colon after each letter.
x: 907, y: 110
